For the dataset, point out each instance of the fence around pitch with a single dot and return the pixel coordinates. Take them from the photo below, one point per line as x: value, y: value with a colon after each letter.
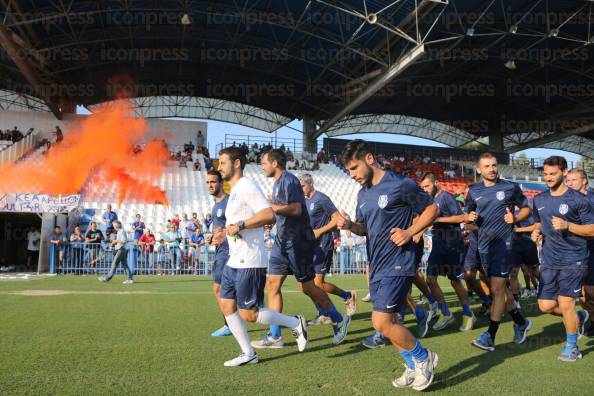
x: 91, y: 258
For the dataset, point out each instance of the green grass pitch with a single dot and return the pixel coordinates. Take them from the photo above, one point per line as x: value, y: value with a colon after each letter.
x: 153, y: 338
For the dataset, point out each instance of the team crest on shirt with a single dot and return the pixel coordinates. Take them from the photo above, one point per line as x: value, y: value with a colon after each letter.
x: 563, y: 209
x: 500, y: 195
x: 219, y: 212
x: 311, y: 206
x: 382, y: 201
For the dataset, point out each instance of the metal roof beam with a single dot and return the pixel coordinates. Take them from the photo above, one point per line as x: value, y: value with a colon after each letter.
x: 377, y: 84
x: 26, y: 69
x: 553, y: 137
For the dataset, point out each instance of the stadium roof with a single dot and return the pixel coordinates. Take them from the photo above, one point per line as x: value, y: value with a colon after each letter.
x: 520, y: 70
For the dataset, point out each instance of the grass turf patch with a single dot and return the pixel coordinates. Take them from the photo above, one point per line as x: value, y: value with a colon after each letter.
x: 71, y: 335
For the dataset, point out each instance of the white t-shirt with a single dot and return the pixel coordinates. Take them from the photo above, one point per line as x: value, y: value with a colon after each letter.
x: 33, y: 237
x: 185, y: 233
x: 245, y: 200
x: 120, y: 236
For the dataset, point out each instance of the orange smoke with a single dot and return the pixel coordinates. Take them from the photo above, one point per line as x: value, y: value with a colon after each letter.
x: 100, y: 147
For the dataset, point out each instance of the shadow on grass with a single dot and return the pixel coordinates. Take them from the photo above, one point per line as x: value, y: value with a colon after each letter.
x: 355, y: 348
x: 477, y: 365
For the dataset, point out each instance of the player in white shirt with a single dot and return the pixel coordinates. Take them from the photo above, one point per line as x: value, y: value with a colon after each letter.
x: 244, y: 276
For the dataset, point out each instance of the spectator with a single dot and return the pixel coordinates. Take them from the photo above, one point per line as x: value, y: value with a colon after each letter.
x: 33, y: 243
x: 108, y: 218
x: 207, y: 221
x: 120, y: 256
x: 46, y: 147
x: 58, y: 241
x: 208, y: 164
x: 16, y: 135
x: 196, y: 243
x: 176, y: 221
x: 77, y: 240
x: 289, y: 155
x: 322, y: 159
x: 147, y: 245
x: 59, y: 134
x: 172, y: 239
x: 197, y: 166
x: 161, y: 253
x: 138, y: 227
x: 186, y: 227
x: 93, y: 238
x: 199, y: 139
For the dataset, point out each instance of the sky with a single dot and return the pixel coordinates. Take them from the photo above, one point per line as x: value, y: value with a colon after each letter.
x: 222, y: 133
x: 217, y: 131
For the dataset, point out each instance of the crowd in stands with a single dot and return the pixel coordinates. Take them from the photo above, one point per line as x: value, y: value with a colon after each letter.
x: 182, y: 249
x: 13, y: 135
x: 196, y: 156
x: 295, y: 161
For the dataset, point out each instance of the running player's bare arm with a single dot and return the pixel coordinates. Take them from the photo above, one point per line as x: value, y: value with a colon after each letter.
x: 293, y: 209
x: 522, y: 215
x: 457, y: 219
x: 318, y: 232
x: 583, y: 230
x: 344, y: 222
x: 401, y: 237
x: 529, y: 228
x: 261, y: 218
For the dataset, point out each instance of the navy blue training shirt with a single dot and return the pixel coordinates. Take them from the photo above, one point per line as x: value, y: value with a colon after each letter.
x: 445, y: 234
x: 220, y: 221
x: 392, y: 203
x: 561, y: 249
x: 490, y: 204
x: 320, y: 209
x: 287, y: 190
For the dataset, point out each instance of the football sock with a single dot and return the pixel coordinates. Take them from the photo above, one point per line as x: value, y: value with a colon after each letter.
x: 239, y: 330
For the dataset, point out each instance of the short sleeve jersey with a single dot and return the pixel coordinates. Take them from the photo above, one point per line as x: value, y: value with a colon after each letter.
x: 446, y: 234
x: 320, y: 209
x: 490, y: 204
x: 220, y: 221
x: 392, y: 203
x: 287, y: 190
x: 561, y: 249
x: 247, y: 249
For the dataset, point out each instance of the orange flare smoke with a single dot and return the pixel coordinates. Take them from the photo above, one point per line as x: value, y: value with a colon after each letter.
x: 100, y: 147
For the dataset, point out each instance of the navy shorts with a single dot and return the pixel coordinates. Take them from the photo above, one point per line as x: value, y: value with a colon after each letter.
x: 497, y: 260
x: 565, y: 282
x: 389, y: 293
x: 244, y: 285
x: 322, y: 259
x: 217, y: 268
x: 292, y: 259
x: 471, y: 260
x: 525, y: 253
x: 446, y: 261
